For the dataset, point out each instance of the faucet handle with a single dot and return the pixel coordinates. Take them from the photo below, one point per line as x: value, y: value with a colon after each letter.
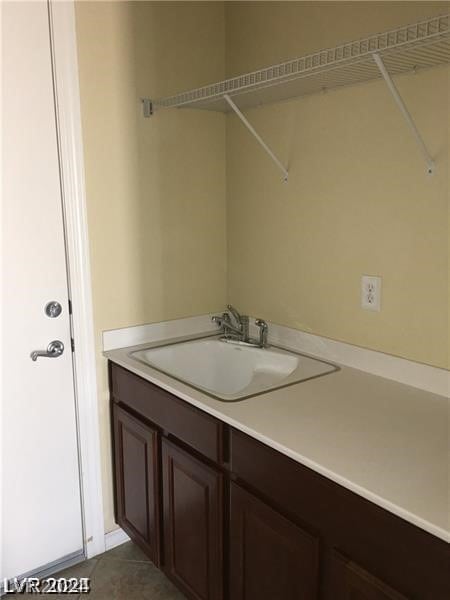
x: 234, y: 312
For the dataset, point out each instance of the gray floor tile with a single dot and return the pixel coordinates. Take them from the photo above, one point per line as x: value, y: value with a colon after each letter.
x: 126, y: 580
x: 123, y: 573
x: 127, y: 551
x: 83, y: 569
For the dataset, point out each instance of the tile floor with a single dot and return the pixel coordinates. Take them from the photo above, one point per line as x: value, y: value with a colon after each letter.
x: 123, y: 573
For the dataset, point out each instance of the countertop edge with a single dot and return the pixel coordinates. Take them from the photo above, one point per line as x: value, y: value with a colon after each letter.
x: 304, y: 460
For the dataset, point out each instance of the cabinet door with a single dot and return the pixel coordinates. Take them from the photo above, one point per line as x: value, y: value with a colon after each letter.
x: 137, y: 481
x: 193, y: 524
x: 351, y: 582
x: 270, y: 557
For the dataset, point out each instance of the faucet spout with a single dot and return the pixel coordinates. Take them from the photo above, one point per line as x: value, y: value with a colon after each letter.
x: 238, y: 331
x: 224, y: 322
x: 241, y: 321
x: 236, y: 316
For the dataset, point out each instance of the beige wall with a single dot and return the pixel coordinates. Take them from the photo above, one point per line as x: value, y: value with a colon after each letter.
x: 155, y: 187
x: 358, y: 200
x: 259, y: 34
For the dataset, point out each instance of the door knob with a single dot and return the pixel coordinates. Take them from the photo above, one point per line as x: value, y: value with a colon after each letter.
x: 54, y: 349
x: 53, y: 309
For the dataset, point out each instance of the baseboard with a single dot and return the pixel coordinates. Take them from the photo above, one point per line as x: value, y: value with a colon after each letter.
x: 115, y: 538
x: 52, y: 568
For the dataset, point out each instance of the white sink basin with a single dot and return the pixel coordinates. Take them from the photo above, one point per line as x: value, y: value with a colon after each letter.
x: 231, y: 372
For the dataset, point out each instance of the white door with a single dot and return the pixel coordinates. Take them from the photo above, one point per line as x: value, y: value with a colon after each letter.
x: 40, y: 483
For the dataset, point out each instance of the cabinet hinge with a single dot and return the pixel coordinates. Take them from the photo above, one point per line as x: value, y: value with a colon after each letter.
x: 72, y: 344
x: 70, y: 306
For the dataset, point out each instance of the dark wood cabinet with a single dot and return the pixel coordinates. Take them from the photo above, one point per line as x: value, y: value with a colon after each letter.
x: 230, y: 518
x: 352, y: 582
x: 404, y: 557
x: 200, y: 431
x: 270, y: 557
x: 137, y: 481
x: 193, y: 524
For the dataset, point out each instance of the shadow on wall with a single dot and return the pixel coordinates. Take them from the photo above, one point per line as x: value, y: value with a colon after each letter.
x: 155, y: 187
x: 182, y: 160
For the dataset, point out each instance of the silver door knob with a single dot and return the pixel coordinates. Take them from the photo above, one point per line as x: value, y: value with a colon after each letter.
x: 54, y: 349
x: 53, y: 309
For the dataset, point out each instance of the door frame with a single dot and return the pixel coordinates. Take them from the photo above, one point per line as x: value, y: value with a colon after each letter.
x: 70, y: 145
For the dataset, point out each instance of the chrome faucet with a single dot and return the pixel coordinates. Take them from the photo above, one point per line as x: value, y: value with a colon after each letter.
x: 241, y: 321
x: 263, y: 331
x: 224, y: 321
x: 236, y: 328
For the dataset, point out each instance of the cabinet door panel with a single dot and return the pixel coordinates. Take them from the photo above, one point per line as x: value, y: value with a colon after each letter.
x: 270, y: 557
x: 193, y: 524
x: 136, y: 479
x: 351, y: 582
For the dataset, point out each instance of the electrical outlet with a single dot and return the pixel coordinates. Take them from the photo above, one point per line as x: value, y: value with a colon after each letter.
x: 371, y: 293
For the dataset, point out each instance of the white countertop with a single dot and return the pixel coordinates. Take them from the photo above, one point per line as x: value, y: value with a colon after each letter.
x: 384, y: 440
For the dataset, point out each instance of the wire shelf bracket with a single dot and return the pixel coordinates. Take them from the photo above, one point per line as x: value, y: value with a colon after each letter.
x: 405, y: 112
x: 259, y: 139
x: 147, y: 107
x: 407, y: 49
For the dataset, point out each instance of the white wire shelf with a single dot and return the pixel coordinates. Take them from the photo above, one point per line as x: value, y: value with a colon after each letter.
x: 418, y: 46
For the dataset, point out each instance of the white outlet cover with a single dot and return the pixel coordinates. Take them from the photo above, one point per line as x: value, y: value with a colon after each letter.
x: 371, y: 293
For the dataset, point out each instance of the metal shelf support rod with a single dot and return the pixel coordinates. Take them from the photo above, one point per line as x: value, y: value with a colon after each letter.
x: 257, y: 136
x: 147, y: 107
x: 403, y: 109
